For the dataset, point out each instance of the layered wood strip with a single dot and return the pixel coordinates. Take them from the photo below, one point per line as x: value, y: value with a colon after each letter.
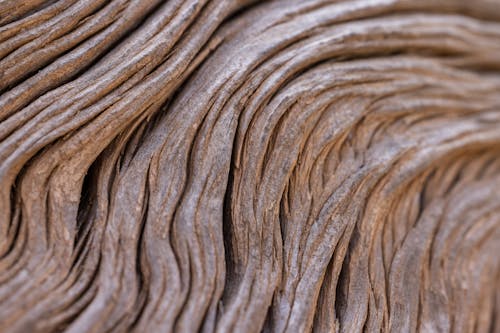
x: 244, y: 166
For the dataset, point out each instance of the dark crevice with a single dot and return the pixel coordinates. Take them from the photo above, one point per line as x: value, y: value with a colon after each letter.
x: 272, y: 141
x: 15, y: 203
x: 342, y: 289
x: 269, y: 320
x: 88, y: 200
x: 227, y: 233
x: 423, y: 194
x: 365, y: 325
x: 141, y: 263
x: 90, y: 284
x: 240, y: 11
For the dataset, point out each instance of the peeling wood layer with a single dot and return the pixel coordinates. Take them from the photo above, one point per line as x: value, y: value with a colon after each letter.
x: 245, y: 166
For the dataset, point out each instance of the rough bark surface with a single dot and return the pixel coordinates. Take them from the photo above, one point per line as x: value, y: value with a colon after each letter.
x: 244, y: 166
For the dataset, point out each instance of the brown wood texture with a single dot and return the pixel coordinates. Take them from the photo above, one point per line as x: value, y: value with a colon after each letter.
x: 245, y: 166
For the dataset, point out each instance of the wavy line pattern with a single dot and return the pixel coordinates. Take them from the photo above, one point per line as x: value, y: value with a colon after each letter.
x: 245, y: 166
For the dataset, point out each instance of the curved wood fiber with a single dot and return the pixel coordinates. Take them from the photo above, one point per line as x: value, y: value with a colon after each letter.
x: 248, y: 166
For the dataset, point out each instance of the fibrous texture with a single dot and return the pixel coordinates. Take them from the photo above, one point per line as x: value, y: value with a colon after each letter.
x: 243, y: 166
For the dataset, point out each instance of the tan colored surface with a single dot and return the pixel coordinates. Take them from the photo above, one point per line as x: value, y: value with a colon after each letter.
x: 233, y: 166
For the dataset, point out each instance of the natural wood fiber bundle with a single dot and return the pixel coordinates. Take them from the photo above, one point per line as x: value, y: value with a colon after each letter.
x: 244, y: 166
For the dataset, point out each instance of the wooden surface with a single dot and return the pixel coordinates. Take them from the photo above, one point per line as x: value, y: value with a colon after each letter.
x: 243, y: 166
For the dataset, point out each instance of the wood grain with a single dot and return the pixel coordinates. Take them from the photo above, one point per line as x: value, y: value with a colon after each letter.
x: 246, y: 166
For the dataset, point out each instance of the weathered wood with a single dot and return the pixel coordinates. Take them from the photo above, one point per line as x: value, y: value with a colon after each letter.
x: 244, y: 166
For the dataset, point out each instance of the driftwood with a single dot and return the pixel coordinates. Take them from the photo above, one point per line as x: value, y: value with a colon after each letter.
x: 235, y: 166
